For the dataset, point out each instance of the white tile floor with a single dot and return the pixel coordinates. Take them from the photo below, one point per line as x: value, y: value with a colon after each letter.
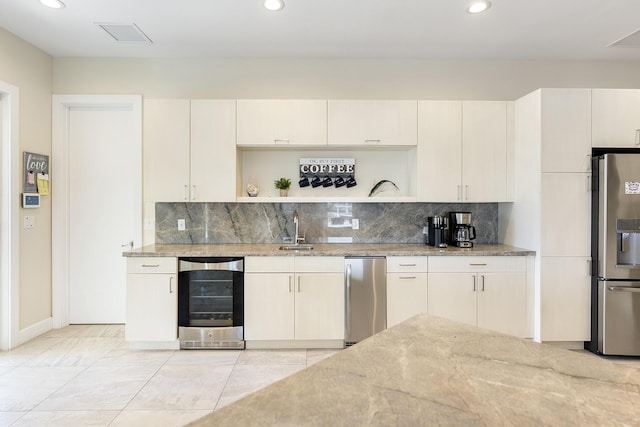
x: 86, y: 376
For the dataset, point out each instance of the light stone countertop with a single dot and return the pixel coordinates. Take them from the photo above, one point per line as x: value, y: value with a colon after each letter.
x: 321, y: 249
x: 432, y: 371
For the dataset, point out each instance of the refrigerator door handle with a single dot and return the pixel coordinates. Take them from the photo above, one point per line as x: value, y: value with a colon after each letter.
x: 347, y: 305
x: 623, y: 289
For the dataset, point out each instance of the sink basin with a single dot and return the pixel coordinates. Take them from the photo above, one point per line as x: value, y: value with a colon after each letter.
x: 296, y: 248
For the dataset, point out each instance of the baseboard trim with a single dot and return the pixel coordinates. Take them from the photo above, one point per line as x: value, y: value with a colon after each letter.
x: 35, y: 330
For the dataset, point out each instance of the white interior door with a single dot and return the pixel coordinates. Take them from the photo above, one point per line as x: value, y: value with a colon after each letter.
x: 104, y: 201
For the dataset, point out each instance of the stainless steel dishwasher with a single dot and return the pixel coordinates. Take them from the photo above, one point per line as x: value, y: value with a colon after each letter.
x: 366, y: 297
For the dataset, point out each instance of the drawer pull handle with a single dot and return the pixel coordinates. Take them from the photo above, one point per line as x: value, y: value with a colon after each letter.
x: 477, y: 264
x: 407, y: 265
x: 281, y: 141
x: 482, y: 282
x: 151, y: 265
x: 171, y: 284
x: 474, y: 283
x: 372, y: 141
x: 407, y: 277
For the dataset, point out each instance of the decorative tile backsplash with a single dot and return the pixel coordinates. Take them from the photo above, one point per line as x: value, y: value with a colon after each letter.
x: 319, y: 222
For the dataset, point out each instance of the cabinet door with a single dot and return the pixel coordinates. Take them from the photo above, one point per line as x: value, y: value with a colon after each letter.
x: 453, y: 296
x: 268, y: 306
x: 565, y: 295
x: 285, y: 122
x: 566, y: 130
x: 213, y: 151
x: 372, y: 122
x: 616, y: 117
x: 166, y: 150
x: 319, y: 311
x: 439, y: 152
x: 152, y: 307
x: 502, y: 302
x: 484, y: 151
x: 566, y: 214
x: 406, y: 296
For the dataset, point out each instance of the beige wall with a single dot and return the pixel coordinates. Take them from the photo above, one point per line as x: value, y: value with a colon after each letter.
x: 30, y: 69
x: 339, y: 78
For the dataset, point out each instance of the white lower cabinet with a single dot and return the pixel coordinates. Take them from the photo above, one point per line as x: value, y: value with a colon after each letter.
x: 488, y: 292
x: 152, y: 299
x: 565, y: 297
x: 294, y: 298
x: 406, y: 288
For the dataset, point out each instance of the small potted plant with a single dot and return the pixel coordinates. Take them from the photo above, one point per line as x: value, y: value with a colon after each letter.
x: 283, y: 184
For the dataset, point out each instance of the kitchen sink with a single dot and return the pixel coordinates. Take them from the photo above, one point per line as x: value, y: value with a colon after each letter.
x: 296, y: 248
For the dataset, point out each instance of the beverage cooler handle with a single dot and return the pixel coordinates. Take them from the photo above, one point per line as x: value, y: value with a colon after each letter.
x: 347, y: 305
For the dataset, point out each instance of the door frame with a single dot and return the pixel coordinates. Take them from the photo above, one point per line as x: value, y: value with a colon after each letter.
x: 61, y: 106
x: 9, y: 212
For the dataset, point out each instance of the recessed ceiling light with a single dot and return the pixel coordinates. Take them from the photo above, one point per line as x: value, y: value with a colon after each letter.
x: 274, y: 5
x: 479, y: 6
x: 54, y: 4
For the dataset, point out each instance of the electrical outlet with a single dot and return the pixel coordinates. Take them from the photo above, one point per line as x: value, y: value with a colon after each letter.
x: 181, y: 225
x: 355, y: 224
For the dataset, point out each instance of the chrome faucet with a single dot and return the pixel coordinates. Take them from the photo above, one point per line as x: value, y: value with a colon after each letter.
x: 296, y: 222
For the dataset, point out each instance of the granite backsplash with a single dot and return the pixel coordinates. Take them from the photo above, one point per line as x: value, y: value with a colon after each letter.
x: 319, y: 222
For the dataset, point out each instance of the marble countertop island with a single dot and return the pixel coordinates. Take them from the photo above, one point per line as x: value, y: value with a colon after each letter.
x: 322, y: 249
x: 432, y: 371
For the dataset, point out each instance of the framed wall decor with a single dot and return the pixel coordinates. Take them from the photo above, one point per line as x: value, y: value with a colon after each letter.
x: 36, y: 173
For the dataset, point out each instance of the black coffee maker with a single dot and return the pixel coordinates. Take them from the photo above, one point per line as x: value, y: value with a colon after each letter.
x: 437, y: 229
x: 461, y: 231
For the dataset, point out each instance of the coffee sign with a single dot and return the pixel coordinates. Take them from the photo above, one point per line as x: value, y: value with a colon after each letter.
x: 327, y: 172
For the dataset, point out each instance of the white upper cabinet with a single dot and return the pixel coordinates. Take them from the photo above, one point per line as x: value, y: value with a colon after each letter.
x: 281, y: 122
x: 484, y: 151
x: 189, y: 151
x: 377, y: 123
x: 213, y: 150
x: 616, y: 117
x: 463, y: 151
x: 566, y: 130
x: 439, y: 165
x: 166, y: 150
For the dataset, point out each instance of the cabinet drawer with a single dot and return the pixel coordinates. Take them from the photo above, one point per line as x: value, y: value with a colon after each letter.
x: 152, y: 265
x: 476, y: 263
x: 269, y: 264
x: 397, y: 264
x: 319, y: 264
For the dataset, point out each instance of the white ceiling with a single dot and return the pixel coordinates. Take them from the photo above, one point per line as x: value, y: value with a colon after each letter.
x: 424, y: 29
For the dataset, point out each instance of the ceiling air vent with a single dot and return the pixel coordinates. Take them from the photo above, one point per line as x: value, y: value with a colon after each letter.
x: 632, y: 40
x: 128, y: 33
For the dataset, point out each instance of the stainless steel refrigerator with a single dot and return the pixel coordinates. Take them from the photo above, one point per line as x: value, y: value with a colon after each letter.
x: 616, y: 252
x: 366, y: 297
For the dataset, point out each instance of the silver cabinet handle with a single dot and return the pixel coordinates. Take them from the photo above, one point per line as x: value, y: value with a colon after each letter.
x: 372, y: 141
x: 193, y: 192
x: 459, y: 192
x: 482, y: 283
x: 474, y: 283
x: 347, y: 308
x: 588, y: 186
x: 171, y: 284
x: 185, y: 193
x: 624, y: 289
x: 407, y: 265
x: 466, y: 189
x: 407, y: 277
x: 289, y: 283
x: 298, y: 284
x: 478, y: 264
x: 151, y: 265
x: 637, y: 139
x: 280, y: 141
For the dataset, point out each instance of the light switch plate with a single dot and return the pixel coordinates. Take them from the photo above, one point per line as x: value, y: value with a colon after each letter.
x: 355, y: 224
x: 149, y: 223
x: 29, y: 221
x: 181, y: 225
